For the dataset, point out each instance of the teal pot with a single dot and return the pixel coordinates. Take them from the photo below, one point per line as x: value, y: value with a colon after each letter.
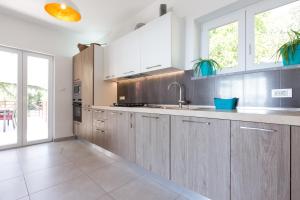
x: 293, y: 59
x: 207, y: 69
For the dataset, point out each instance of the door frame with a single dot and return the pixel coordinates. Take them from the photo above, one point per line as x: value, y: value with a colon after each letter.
x: 19, y: 96
x: 22, y: 97
x: 50, y: 97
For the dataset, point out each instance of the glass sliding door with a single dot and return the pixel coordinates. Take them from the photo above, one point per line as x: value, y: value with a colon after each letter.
x: 10, y: 97
x: 36, y: 98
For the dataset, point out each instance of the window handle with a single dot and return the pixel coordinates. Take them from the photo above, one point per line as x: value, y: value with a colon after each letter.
x: 250, y: 49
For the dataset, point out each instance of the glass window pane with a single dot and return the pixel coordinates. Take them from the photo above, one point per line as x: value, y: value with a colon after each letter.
x: 8, y: 98
x: 271, y: 29
x: 223, y: 45
x: 37, y: 98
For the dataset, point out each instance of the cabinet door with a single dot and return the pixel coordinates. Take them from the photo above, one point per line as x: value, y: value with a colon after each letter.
x: 153, y: 143
x: 295, y: 156
x: 99, y: 128
x: 156, y: 44
x: 77, y: 68
x: 87, y: 62
x: 260, y: 161
x: 87, y: 124
x: 125, y: 139
x: 111, y: 136
x: 200, y: 155
x: 130, y: 49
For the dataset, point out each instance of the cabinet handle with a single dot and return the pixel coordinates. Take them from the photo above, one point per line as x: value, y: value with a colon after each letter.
x: 100, y: 111
x: 101, y: 121
x: 150, y: 117
x: 258, y: 129
x: 189, y: 121
x: 153, y: 66
x: 113, y: 113
x: 107, y: 76
x: 130, y: 72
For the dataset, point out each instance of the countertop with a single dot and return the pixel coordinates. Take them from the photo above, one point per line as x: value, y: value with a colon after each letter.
x: 252, y: 115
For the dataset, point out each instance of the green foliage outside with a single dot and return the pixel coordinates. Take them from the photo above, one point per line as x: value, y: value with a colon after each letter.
x: 36, y: 95
x: 271, y: 32
x: 223, y: 45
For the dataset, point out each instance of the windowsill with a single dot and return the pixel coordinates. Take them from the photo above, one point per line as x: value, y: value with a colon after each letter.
x: 248, y: 72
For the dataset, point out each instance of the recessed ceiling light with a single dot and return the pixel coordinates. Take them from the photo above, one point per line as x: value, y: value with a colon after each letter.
x: 64, y: 10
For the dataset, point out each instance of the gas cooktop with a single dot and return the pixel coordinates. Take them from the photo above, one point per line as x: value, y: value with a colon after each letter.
x: 129, y: 104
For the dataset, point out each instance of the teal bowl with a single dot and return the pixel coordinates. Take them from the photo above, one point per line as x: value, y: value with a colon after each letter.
x: 226, y: 104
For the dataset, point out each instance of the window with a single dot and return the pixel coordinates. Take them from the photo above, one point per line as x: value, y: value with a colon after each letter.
x: 222, y: 41
x: 269, y: 24
x: 248, y: 39
x: 223, y: 51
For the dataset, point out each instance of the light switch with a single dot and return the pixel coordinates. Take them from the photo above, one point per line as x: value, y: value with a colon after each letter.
x: 282, y: 93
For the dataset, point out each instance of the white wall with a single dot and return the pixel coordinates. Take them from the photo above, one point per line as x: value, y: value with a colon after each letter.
x: 62, y: 45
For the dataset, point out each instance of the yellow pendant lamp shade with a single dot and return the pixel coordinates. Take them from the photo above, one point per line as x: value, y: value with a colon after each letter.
x: 63, y: 10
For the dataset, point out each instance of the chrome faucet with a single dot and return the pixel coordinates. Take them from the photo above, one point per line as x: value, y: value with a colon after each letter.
x: 181, y: 100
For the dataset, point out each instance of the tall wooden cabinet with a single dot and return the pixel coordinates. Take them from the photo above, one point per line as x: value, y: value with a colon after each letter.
x: 153, y: 143
x: 295, y: 168
x: 200, y: 155
x: 88, y: 68
x: 260, y: 161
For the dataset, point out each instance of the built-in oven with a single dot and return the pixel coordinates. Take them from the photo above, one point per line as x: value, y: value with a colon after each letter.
x: 77, y: 111
x: 77, y: 91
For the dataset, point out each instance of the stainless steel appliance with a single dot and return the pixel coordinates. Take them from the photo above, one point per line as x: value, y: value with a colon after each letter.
x: 77, y: 91
x: 77, y: 101
x: 77, y: 111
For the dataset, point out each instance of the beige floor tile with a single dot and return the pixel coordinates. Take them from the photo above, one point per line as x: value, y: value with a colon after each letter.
x: 106, y: 197
x: 10, y: 170
x: 13, y: 189
x: 24, y: 198
x: 111, y: 177
x: 32, y: 165
x: 81, y: 188
x: 92, y: 163
x: 143, y: 189
x: 8, y: 157
x: 46, y: 178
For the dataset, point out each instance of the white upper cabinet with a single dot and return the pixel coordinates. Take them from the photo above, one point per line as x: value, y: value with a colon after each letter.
x: 156, y: 47
x: 130, y: 55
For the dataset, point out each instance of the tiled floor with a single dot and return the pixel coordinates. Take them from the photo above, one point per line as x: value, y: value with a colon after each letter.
x: 75, y: 170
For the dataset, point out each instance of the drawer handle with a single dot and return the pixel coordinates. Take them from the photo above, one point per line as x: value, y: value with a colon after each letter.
x: 258, y: 129
x: 189, y: 121
x: 101, y: 121
x: 130, y: 72
x: 155, y: 66
x: 107, y: 76
x: 99, y: 111
x: 150, y: 117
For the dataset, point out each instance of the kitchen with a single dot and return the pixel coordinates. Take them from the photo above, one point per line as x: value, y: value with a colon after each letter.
x: 179, y: 100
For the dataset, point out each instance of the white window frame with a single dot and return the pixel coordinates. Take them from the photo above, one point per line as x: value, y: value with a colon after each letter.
x: 251, y: 11
x: 240, y: 17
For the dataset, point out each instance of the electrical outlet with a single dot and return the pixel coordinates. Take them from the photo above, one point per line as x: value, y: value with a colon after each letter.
x: 282, y: 93
x: 122, y: 98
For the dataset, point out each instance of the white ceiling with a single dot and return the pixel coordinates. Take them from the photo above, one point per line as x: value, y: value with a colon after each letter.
x: 99, y: 17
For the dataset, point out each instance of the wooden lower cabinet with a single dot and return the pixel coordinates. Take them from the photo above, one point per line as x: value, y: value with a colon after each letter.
x: 260, y: 161
x: 295, y: 158
x: 86, y: 126
x: 115, y: 131
x: 153, y: 143
x: 200, y: 155
x: 125, y: 136
x: 99, y: 128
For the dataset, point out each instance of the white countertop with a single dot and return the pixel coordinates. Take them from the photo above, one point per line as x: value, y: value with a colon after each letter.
x: 251, y: 115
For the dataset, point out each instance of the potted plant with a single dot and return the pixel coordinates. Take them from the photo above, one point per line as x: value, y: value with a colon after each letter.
x: 290, y: 51
x: 205, y: 67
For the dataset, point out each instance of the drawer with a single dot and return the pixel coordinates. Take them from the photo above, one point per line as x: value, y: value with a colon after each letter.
x: 99, y: 114
x: 99, y: 124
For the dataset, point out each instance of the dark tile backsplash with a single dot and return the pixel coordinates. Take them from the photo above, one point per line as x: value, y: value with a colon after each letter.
x: 253, y: 88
